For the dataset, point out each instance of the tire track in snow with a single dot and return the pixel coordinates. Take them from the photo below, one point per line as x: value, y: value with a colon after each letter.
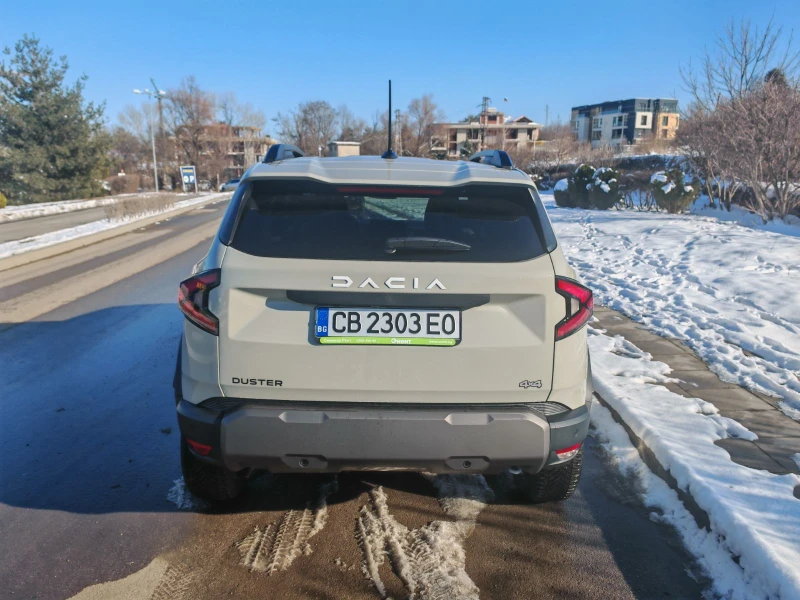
x: 430, y: 560
x: 275, y: 547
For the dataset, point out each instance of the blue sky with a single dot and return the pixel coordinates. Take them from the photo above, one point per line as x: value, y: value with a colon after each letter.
x: 276, y: 54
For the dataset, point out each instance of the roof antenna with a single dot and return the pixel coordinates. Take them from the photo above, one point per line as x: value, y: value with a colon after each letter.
x: 390, y: 153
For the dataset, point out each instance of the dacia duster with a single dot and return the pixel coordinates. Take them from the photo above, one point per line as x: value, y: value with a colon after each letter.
x: 367, y: 313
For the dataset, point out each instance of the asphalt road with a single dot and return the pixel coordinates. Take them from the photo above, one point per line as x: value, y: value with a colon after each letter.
x: 89, y: 449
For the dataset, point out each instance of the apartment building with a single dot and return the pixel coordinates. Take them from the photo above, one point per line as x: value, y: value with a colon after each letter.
x: 623, y: 122
x: 491, y: 129
x: 227, y: 150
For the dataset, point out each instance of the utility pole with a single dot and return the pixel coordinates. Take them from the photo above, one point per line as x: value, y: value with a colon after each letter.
x: 546, y: 115
x: 399, y: 133
x: 160, y: 109
x: 155, y: 94
x: 484, y: 110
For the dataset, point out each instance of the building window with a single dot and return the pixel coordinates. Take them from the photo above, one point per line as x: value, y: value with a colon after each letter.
x: 596, y: 136
x: 643, y: 121
x: 665, y: 121
x: 619, y: 121
x: 597, y: 123
x: 665, y: 133
x: 616, y: 134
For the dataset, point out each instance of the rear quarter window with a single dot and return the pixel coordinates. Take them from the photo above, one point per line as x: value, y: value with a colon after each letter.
x: 308, y: 220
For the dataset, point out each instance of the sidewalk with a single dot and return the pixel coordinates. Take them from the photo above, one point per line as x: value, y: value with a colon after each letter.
x: 778, y: 435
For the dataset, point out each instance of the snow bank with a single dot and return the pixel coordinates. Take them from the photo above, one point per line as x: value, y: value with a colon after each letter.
x: 755, y: 519
x: 728, y: 292
x: 63, y: 235
x: 745, y: 218
x: 561, y: 185
x: 44, y: 209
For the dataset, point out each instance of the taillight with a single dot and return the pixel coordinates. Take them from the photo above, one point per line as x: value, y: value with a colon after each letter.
x: 563, y: 454
x: 193, y: 300
x: 201, y: 449
x: 580, y: 305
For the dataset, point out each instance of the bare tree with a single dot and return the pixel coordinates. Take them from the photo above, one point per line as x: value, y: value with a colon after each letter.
x: 190, y: 110
x: 739, y: 63
x: 762, y: 144
x: 310, y: 126
x: 423, y: 115
x: 740, y: 127
x: 235, y: 114
x: 375, y: 136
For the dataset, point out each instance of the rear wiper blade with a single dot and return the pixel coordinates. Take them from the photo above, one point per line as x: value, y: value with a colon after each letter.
x: 424, y: 244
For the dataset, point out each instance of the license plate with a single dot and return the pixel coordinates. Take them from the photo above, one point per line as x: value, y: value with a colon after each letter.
x: 388, y: 326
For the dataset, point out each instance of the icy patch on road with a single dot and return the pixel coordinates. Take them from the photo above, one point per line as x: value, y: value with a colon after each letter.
x: 181, y: 497
x: 430, y: 560
x: 275, y: 547
x: 752, y: 550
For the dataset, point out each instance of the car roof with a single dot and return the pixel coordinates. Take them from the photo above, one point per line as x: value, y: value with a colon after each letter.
x: 373, y: 170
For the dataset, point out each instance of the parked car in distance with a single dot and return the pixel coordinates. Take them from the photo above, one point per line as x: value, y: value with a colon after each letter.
x: 229, y: 185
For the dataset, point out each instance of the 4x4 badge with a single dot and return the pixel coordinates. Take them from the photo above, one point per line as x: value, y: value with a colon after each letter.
x: 529, y: 384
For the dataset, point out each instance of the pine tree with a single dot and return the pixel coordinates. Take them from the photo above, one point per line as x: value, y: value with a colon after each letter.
x: 52, y: 143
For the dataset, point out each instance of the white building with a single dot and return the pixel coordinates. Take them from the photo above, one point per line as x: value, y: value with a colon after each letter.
x: 492, y: 130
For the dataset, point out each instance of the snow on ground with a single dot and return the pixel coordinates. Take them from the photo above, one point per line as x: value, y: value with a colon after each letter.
x: 752, y: 550
x: 43, y: 209
x: 56, y: 237
x: 727, y: 291
x: 737, y: 214
x: 181, y: 497
x: 430, y: 560
x: 276, y: 546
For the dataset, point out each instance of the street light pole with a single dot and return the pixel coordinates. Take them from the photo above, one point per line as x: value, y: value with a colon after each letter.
x: 154, y: 95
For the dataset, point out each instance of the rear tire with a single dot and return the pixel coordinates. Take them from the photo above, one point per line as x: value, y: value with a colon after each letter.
x: 215, y: 485
x: 555, y: 483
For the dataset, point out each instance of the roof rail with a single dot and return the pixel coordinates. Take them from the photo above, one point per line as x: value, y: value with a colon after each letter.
x: 282, y: 152
x: 496, y: 158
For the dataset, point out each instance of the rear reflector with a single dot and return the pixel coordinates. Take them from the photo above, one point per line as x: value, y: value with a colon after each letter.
x: 567, y: 453
x: 580, y: 305
x: 193, y: 300
x: 198, y: 448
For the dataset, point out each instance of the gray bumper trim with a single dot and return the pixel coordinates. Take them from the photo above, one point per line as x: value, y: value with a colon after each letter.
x: 333, y: 439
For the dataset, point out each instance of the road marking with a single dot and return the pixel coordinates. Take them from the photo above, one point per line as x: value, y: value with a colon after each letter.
x: 430, y: 560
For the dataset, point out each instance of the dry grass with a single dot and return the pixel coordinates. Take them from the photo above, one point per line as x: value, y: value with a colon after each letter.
x: 138, y: 206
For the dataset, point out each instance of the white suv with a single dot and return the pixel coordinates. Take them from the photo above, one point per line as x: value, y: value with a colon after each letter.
x: 378, y: 313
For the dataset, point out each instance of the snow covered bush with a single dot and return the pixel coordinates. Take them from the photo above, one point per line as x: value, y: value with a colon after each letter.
x: 604, y: 192
x: 3, y: 200
x: 561, y: 193
x: 580, y: 184
x: 672, y: 191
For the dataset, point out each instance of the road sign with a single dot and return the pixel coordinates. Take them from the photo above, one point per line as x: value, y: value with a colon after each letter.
x: 189, y: 177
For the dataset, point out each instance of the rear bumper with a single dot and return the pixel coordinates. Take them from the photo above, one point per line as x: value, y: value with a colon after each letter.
x: 297, y: 437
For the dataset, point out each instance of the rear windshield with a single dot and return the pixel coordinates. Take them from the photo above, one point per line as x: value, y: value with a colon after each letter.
x: 472, y: 223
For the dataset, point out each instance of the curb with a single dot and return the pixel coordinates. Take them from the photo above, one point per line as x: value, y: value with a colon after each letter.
x: 649, y: 459
x: 25, y: 258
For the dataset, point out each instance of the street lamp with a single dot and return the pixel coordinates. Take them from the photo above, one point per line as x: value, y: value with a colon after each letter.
x: 154, y: 95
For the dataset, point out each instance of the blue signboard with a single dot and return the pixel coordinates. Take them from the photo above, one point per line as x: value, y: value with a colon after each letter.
x: 189, y: 178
